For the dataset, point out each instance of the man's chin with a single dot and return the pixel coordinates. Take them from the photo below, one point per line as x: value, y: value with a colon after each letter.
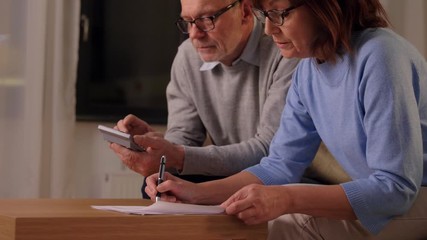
x: 208, y: 57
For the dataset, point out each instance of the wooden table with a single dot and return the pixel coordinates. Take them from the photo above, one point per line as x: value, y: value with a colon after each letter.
x: 62, y: 219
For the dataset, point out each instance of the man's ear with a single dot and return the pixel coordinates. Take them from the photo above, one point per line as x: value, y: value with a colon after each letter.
x: 247, y: 10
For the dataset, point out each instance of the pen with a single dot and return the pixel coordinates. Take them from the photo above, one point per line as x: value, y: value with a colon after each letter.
x: 161, y: 174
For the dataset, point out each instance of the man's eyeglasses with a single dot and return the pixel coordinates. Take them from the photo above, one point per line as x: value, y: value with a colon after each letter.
x: 204, y: 24
x: 277, y: 17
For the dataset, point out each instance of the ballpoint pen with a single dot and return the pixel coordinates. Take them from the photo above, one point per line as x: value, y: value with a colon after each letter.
x: 161, y: 174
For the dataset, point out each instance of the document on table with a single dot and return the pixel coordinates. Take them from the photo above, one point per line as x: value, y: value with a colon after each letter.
x: 161, y: 207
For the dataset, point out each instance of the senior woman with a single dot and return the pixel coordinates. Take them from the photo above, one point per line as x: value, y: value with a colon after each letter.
x: 362, y: 90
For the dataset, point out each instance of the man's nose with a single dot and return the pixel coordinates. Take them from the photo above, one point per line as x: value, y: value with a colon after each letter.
x: 195, y: 32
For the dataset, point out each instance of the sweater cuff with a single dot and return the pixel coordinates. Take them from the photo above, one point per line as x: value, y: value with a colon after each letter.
x: 191, y: 165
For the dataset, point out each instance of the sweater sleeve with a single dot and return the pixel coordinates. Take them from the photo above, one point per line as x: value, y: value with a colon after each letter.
x: 293, y: 147
x: 388, y: 92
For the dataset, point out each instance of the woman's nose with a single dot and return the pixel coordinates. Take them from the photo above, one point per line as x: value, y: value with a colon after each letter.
x: 269, y: 27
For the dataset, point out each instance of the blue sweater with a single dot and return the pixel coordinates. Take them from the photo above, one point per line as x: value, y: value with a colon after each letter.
x: 370, y: 110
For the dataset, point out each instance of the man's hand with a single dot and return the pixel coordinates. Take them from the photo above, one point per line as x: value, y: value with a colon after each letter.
x: 147, y: 163
x: 133, y: 125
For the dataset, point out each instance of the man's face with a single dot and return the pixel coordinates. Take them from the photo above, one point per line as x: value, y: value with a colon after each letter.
x: 224, y: 42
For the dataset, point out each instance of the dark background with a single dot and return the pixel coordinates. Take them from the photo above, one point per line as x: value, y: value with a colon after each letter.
x: 125, y: 59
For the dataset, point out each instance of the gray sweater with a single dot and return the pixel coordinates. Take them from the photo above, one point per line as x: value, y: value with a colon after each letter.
x: 238, y: 106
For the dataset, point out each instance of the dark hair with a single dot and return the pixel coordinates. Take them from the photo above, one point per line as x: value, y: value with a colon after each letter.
x: 338, y: 19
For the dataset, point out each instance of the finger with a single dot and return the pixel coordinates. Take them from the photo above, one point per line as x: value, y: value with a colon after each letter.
x: 121, y: 151
x: 253, y: 216
x: 169, y: 185
x: 152, y: 188
x: 238, y: 206
x: 239, y: 195
x: 168, y: 176
x: 252, y: 221
x: 152, y: 179
x: 131, y: 121
x: 148, y: 141
x: 121, y: 126
x: 130, y: 118
x: 127, y: 156
x: 154, y: 135
x: 229, y: 201
x: 151, y: 192
x: 117, y: 149
x: 247, y: 214
x: 167, y: 198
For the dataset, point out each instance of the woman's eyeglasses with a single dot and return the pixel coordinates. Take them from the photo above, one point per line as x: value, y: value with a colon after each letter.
x: 277, y: 17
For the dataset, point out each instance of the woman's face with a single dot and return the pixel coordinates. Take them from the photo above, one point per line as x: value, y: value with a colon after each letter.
x: 298, y: 32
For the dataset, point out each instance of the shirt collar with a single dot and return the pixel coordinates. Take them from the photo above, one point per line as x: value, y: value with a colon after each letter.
x: 250, y: 54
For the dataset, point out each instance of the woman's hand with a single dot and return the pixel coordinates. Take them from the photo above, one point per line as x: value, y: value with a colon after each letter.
x: 257, y: 203
x: 172, y: 189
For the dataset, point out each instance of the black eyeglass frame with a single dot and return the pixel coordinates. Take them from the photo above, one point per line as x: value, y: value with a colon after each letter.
x: 282, y: 13
x: 180, y: 21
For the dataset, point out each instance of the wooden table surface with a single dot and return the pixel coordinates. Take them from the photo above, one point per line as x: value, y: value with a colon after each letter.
x: 62, y: 219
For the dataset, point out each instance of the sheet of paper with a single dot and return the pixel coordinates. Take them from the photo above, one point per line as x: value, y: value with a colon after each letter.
x: 162, y: 207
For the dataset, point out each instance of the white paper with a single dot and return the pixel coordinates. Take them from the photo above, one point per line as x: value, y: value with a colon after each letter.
x: 162, y: 207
